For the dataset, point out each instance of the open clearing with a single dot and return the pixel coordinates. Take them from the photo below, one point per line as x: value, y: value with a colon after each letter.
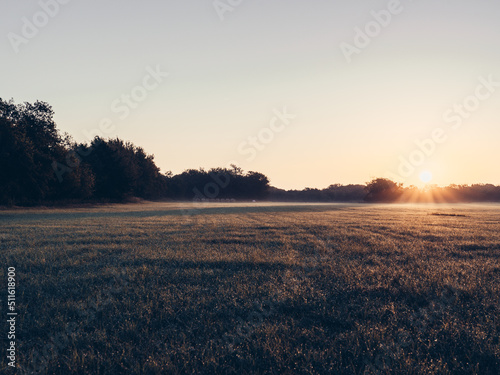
x: 171, y: 288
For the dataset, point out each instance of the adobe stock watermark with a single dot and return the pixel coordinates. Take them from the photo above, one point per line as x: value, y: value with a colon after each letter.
x: 122, y: 107
x: 372, y: 29
x: 255, y: 143
x: 11, y: 315
x: 250, y: 148
x: 454, y: 117
x: 223, y: 6
x: 31, y: 26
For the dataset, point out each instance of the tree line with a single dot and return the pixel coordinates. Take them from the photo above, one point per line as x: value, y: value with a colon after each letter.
x: 333, y: 193
x: 385, y: 190
x: 382, y: 190
x: 38, y: 165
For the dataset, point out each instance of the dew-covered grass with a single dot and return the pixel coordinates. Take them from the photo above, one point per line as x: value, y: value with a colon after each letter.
x: 225, y: 288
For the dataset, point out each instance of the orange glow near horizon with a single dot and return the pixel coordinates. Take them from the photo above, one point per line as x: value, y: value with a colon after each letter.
x: 429, y: 194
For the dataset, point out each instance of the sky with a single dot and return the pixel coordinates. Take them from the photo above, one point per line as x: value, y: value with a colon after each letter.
x: 310, y: 93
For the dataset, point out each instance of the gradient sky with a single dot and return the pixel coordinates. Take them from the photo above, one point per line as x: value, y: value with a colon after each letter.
x: 354, y: 121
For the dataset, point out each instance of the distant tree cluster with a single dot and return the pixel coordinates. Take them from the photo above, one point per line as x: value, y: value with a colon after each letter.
x: 333, y: 193
x: 384, y: 190
x: 39, y: 165
x: 218, y: 183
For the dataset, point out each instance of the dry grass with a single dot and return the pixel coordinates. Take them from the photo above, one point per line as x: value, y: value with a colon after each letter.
x: 250, y: 288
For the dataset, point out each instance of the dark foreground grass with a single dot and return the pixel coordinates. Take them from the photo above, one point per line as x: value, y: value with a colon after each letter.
x: 340, y: 289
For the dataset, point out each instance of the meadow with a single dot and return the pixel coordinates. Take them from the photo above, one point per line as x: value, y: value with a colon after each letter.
x: 254, y: 288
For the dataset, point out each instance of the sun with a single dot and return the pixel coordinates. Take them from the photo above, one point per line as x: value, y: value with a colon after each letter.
x: 425, y: 177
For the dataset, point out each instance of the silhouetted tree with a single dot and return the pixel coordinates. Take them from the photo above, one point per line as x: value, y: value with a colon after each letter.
x: 122, y: 170
x: 382, y: 190
x: 29, y: 143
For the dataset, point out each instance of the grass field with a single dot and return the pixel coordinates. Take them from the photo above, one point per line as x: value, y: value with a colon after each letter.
x: 254, y: 288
